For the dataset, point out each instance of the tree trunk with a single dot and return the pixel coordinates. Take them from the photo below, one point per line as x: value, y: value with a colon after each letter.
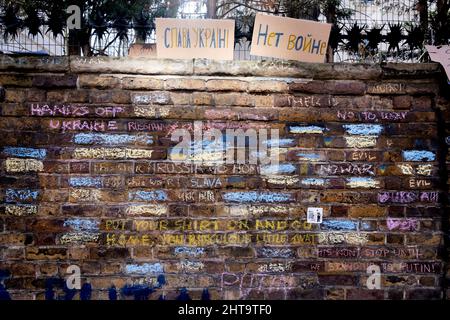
x: 422, y: 8
x: 331, y: 18
x: 74, y: 43
x: 211, y: 7
x: 79, y: 42
x: 442, y: 7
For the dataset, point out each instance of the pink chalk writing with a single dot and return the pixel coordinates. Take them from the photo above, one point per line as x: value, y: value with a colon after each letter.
x: 348, y: 168
x: 408, y: 196
x: 371, y: 116
x: 58, y: 110
x: 411, y: 252
x: 46, y: 110
x: 402, y: 224
x: 82, y: 125
x: 304, y: 101
x: 146, y: 126
x: 152, y: 126
x: 247, y: 282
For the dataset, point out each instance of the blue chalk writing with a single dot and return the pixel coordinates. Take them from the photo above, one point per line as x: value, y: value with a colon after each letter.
x: 144, y: 268
x: 338, y: 225
x: 157, y: 195
x: 280, y: 142
x: 277, y: 253
x: 111, y: 139
x: 25, y: 152
x: 365, y: 225
x: 194, y: 252
x: 254, y: 197
x: 306, y: 129
x: 313, y: 181
x: 361, y: 180
x: 309, y: 156
x: 285, y: 168
x: 363, y: 129
x: 85, y: 182
x: 78, y: 224
x: 418, y: 155
x: 13, y: 195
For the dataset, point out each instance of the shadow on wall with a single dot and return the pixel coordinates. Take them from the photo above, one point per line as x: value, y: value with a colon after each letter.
x: 138, y: 292
x: 4, y: 295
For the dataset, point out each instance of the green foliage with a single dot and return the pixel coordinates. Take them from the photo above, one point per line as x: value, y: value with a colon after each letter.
x: 57, y: 16
x: 440, y: 22
x: 10, y: 21
x: 97, y: 17
x: 33, y: 18
x: 311, y: 9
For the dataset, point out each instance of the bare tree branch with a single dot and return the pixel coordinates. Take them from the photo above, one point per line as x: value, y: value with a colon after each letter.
x: 224, y: 14
x: 240, y: 4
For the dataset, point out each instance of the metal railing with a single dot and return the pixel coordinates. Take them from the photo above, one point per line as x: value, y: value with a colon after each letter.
x: 366, y: 14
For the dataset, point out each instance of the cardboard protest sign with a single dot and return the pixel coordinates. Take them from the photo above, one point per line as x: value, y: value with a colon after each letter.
x: 194, y: 38
x: 289, y: 38
x: 440, y: 54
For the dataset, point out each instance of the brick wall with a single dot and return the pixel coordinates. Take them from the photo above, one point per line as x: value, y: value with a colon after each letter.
x: 89, y: 178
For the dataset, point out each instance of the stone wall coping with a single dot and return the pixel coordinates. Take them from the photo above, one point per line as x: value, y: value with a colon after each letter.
x: 205, y: 67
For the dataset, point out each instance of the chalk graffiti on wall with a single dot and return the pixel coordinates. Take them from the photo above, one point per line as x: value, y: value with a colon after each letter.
x: 363, y: 129
x: 408, y: 197
x: 362, y: 182
x: 354, y: 238
x: 306, y: 129
x: 189, y: 251
x: 204, y: 225
x: 360, y: 142
x: 418, y: 155
x: 386, y: 267
x: 46, y: 110
x: 338, y: 225
x: 275, y: 252
x: 422, y: 169
x: 22, y: 202
x: 350, y: 168
x: 19, y: 195
x: 82, y: 125
x: 112, y: 139
x: 87, y: 177
x: 261, y: 197
x: 22, y: 152
x: 372, y: 116
x: 402, y: 224
x: 246, y: 283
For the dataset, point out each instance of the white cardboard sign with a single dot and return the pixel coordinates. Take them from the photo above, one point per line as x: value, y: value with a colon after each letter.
x: 288, y: 38
x: 194, y: 38
x: 440, y: 54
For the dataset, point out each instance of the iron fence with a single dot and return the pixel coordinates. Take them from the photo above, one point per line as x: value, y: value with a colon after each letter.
x: 365, y: 16
x: 379, y: 14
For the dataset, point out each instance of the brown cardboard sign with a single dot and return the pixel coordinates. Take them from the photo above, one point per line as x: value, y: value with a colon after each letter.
x: 440, y: 54
x: 194, y: 38
x: 289, y: 38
